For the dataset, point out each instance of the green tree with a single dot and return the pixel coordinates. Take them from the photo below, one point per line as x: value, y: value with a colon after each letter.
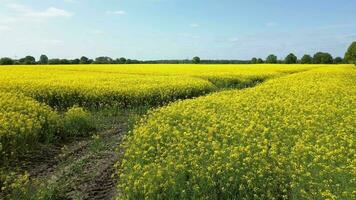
x: 254, y: 60
x: 338, y: 60
x: 6, y: 61
x: 350, y: 55
x: 75, y: 61
x: 43, y: 60
x: 103, y: 60
x: 291, y: 59
x: 64, y: 62
x: 84, y: 60
x: 29, y: 60
x: 122, y: 60
x: 306, y: 59
x: 54, y: 61
x: 271, y: 59
x: 260, y: 61
x: 322, y: 58
x: 196, y: 60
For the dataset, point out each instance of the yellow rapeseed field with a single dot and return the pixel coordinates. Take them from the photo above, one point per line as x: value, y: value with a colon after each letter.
x: 289, y: 138
x: 23, y: 122
x: 129, y: 85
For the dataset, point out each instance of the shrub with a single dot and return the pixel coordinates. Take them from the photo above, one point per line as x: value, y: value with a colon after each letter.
x: 77, y: 122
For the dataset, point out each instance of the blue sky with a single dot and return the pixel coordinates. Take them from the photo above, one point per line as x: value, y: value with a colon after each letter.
x: 175, y: 29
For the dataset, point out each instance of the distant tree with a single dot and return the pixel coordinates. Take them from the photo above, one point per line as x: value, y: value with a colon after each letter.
x: 306, y: 59
x: 75, y: 61
x: 338, y: 60
x: 350, y: 55
x: 271, y: 59
x: 260, y: 61
x: 43, y: 60
x: 103, y: 60
x: 54, y: 61
x: 122, y: 60
x: 90, y: 61
x: 254, y: 60
x: 291, y: 59
x: 28, y: 60
x: 6, y: 61
x: 64, y: 61
x: 84, y: 60
x: 196, y: 60
x: 322, y: 58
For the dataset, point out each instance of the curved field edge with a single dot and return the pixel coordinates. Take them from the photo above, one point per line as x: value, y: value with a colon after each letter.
x: 288, y: 138
x: 130, y: 86
x: 28, y: 123
x: 96, y: 90
x: 31, y: 127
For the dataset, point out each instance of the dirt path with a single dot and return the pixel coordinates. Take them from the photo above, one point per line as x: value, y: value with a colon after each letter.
x: 79, y: 169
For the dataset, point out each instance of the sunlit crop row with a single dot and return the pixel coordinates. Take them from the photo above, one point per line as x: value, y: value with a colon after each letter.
x: 32, y: 95
x: 288, y: 138
x: 24, y: 122
x: 130, y: 85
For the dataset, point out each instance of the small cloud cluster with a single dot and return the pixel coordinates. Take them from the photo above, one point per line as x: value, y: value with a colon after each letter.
x: 194, y: 25
x: 117, y: 12
x: 25, y: 11
x: 20, y: 13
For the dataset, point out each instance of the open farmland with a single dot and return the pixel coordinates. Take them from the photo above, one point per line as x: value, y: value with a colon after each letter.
x: 177, y: 100
x: 223, y: 131
x: 132, y: 85
x: 288, y: 138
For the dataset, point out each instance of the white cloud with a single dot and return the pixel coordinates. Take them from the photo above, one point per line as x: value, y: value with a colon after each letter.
x: 194, y: 25
x: 97, y: 32
x: 117, y: 12
x: 234, y: 39
x: 50, y: 12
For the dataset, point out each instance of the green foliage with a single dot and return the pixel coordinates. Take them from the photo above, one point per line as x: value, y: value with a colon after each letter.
x: 121, y: 60
x: 84, y: 60
x: 338, y: 60
x: 43, y: 60
x: 260, y: 61
x: 306, y: 59
x: 103, y: 60
x: 28, y: 60
x: 350, y: 55
x: 322, y: 58
x: 75, y: 61
x: 196, y: 60
x: 12, y: 183
x: 254, y: 60
x: 271, y: 59
x: 291, y: 59
x: 6, y: 61
x: 77, y: 122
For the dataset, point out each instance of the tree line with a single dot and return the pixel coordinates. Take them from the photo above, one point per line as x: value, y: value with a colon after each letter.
x: 317, y: 58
